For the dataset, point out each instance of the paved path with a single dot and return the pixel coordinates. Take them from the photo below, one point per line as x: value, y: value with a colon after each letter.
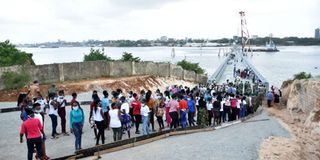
x: 10, y: 147
x: 237, y: 142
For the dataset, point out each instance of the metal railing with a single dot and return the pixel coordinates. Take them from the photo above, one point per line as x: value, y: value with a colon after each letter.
x: 219, y: 72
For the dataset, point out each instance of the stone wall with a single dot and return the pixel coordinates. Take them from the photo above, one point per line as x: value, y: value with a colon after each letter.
x: 53, y: 73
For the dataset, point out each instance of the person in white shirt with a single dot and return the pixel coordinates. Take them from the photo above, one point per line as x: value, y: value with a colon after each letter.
x: 37, y: 114
x: 238, y: 106
x: 62, y: 112
x: 43, y: 104
x: 210, y: 110
x: 125, y: 117
x: 99, y: 120
x: 145, y: 117
x: 53, y: 114
x: 115, y: 122
x: 222, y: 112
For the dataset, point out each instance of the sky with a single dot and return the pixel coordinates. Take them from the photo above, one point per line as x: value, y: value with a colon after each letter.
x: 31, y: 21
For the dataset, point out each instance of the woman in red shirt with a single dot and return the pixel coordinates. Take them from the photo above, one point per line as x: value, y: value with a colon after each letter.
x: 32, y: 128
x: 136, y: 105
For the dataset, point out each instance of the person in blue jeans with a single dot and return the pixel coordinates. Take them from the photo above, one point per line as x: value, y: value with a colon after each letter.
x: 145, y: 118
x: 191, y: 110
x: 76, y: 123
x: 243, y: 107
x: 53, y: 113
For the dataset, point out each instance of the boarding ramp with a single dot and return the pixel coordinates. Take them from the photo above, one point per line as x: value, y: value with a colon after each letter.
x: 225, y: 71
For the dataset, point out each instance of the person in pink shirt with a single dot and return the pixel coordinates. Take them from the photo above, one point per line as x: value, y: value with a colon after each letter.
x: 167, y: 100
x: 173, y: 111
x: 32, y: 127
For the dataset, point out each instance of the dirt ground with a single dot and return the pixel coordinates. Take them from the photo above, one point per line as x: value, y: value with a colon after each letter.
x: 134, y: 83
x: 303, y: 144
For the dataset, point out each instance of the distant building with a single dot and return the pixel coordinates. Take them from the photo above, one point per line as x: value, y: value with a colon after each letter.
x: 317, y: 33
x: 163, y: 38
x: 254, y: 36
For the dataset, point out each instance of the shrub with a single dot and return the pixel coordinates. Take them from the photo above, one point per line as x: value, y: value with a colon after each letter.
x: 13, y: 80
x: 129, y: 57
x: 191, y: 66
x: 301, y: 75
x: 96, y: 54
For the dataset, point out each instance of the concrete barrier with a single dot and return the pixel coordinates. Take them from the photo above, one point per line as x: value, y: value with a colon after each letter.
x: 53, y: 73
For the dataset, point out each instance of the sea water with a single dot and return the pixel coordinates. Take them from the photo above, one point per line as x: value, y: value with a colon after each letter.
x: 275, y: 67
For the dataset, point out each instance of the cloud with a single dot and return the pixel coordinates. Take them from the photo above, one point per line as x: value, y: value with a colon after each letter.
x: 77, y: 20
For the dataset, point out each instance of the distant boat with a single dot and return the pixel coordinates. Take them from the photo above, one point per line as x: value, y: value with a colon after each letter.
x: 49, y: 46
x: 269, y: 47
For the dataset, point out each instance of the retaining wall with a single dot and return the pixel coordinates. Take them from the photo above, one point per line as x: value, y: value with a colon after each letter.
x: 53, y: 73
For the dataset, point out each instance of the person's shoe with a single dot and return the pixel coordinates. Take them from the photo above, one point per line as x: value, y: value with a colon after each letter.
x: 153, y: 130
x: 137, y: 132
x: 54, y: 137
x: 66, y: 134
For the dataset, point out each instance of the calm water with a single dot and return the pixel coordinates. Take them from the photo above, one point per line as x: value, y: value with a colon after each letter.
x: 276, y: 67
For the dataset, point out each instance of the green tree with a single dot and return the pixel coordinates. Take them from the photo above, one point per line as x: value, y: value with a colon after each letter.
x: 129, y: 57
x: 96, y: 54
x: 302, y: 75
x: 10, y: 55
x: 191, y: 66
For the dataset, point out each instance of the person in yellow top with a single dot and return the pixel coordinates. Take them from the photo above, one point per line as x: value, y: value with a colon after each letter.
x: 151, y: 104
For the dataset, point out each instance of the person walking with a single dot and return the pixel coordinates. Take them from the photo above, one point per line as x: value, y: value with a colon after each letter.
x: 151, y: 104
x: 160, y: 105
x: 105, y: 107
x: 115, y: 122
x: 76, y: 123
x: 62, y: 112
x: 173, y: 111
x: 95, y: 99
x: 99, y: 120
x: 183, y: 106
x: 202, y: 117
x: 209, y: 110
x: 136, y: 105
x: 269, y: 98
x: 167, y: 100
x: 145, y: 118
x: 125, y: 117
x: 37, y: 109
x: 53, y: 114
x: 191, y: 110
x: 32, y: 128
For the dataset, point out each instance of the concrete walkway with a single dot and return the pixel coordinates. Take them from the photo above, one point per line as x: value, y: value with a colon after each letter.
x: 241, y: 141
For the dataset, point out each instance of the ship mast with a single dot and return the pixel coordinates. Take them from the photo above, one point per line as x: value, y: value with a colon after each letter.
x: 245, y: 37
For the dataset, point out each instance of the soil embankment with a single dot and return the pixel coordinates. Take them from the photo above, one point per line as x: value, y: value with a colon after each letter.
x: 299, y: 112
x: 134, y: 83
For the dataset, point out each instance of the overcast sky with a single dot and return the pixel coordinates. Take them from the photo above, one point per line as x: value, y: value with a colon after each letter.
x: 76, y: 20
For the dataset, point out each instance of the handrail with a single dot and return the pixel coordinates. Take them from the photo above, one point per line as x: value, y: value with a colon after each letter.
x: 219, y: 72
x: 257, y: 73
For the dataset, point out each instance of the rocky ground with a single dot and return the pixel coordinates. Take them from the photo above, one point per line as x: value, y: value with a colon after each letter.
x: 85, y: 87
x: 299, y: 113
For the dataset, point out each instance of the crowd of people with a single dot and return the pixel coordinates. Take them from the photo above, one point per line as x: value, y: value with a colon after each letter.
x: 178, y: 106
